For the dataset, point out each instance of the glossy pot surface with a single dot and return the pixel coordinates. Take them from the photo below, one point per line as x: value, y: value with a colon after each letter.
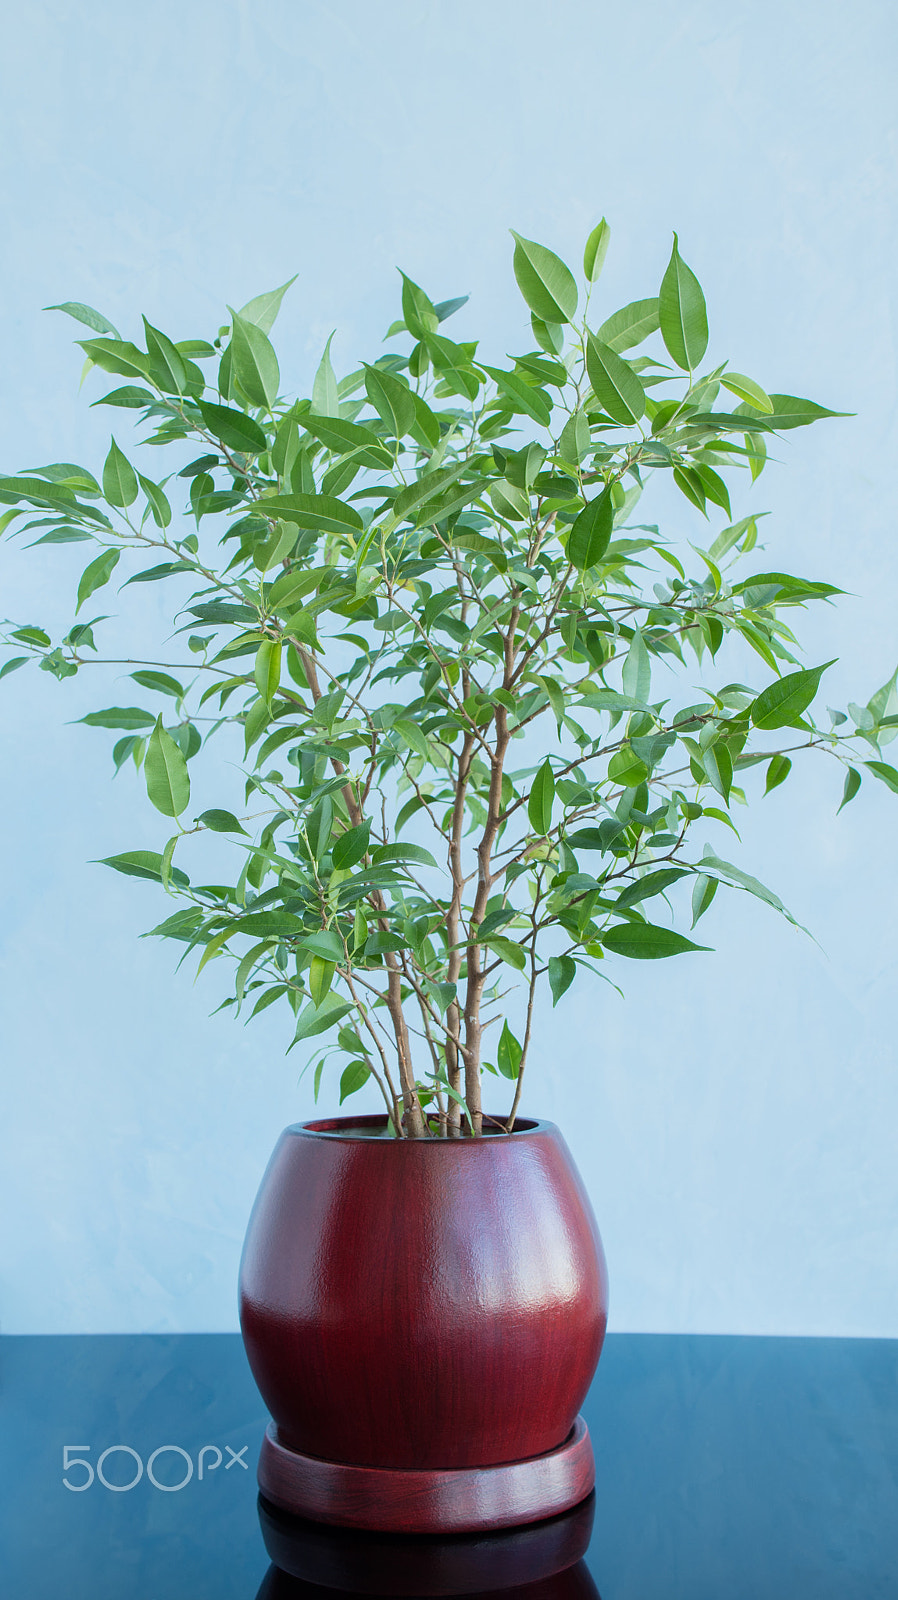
x: 422, y: 1303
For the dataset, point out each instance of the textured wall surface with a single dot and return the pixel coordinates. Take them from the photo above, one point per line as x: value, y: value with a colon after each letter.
x: 734, y: 1116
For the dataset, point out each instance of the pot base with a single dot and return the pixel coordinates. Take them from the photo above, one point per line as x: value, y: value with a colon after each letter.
x: 400, y: 1500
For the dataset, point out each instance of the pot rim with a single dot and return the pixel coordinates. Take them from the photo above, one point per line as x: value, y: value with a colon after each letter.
x: 355, y: 1130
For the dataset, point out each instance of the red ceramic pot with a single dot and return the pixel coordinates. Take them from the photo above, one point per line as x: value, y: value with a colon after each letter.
x: 423, y: 1319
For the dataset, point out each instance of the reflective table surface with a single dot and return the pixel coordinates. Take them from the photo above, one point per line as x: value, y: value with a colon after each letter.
x: 726, y: 1467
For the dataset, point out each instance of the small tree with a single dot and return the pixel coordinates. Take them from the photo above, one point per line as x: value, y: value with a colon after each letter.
x: 451, y: 659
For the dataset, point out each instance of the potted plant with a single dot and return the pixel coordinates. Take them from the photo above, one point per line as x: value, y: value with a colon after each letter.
x: 419, y: 609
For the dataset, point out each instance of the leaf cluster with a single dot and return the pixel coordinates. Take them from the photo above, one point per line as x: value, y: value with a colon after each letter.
x: 453, y: 663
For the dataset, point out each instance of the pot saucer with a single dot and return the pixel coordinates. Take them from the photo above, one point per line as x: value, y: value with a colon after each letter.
x: 402, y: 1500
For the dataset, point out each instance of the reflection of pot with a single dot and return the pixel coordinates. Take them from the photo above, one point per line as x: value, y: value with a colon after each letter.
x: 423, y: 1318
x: 575, y: 1584
x: 543, y: 1561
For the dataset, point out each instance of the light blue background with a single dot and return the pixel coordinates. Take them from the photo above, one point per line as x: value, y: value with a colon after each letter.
x: 735, y: 1117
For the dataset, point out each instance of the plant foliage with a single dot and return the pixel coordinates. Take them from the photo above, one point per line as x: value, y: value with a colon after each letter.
x: 453, y: 663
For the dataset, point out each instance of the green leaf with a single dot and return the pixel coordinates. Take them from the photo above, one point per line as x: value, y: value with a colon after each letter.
x: 234, y: 429
x: 615, y: 384
x: 182, y: 925
x: 626, y: 768
x: 214, y: 946
x: 160, y: 681
x: 548, y: 335
x: 884, y: 773
x: 542, y: 799
x: 453, y: 364
x: 630, y: 325
x: 425, y: 489
x: 884, y: 703
x: 326, y: 943
x: 340, y: 436
x: 643, y: 941
x: 392, y: 400
x: 778, y: 770
x: 468, y: 539
x: 321, y: 511
x: 321, y: 976
x: 590, y: 535
x: 351, y: 846
x: 575, y: 438
x: 313, y: 1021
x: 116, y: 355
x: 728, y: 537
x: 267, y: 671
x: 167, y: 368
x: 747, y: 389
x: 26, y: 488
x: 403, y: 852
x: 31, y: 636
x: 690, y: 484
x: 562, y: 972
x: 713, y: 486
x: 555, y: 691
x: 448, y: 308
x: 129, y: 717
x: 266, y: 999
x: 119, y: 478
x: 852, y: 784
x: 681, y: 313
x: 506, y: 949
x: 15, y: 662
x: 427, y: 426
x: 221, y: 822
x: 255, y: 363
x: 352, y: 1078
x: 87, y: 315
x: 319, y: 827
x: 61, y: 535
x: 95, y: 575
x: 791, y: 412
x: 257, y: 719
x: 703, y: 891
x: 325, y: 395
x: 521, y: 396
x: 508, y: 1053
x: 165, y: 769
x: 164, y: 570
x: 450, y: 501
x: 418, y: 311
x: 412, y: 736
x: 721, y: 816
x: 596, y: 251
x: 718, y: 765
x: 247, y: 963
x: 781, y: 704
x: 545, y: 282
x: 165, y: 866
x: 143, y: 864
x: 282, y: 923
x: 129, y: 398
x: 744, y: 880
x: 263, y: 308
x: 158, y: 503
x: 653, y: 883
x: 636, y: 675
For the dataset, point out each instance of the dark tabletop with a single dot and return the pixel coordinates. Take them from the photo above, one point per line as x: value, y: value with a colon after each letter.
x: 727, y: 1468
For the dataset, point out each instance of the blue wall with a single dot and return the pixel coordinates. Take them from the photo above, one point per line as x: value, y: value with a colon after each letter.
x: 734, y: 1117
